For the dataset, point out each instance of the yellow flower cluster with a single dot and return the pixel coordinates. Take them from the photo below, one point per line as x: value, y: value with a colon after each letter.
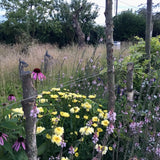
x: 56, y: 139
x: 48, y: 136
x: 39, y: 96
x: 75, y: 110
x: 105, y: 123
x: 46, y: 92
x: 18, y: 111
x: 86, y: 105
x: 86, y: 130
x: 64, y: 114
x: 59, y: 131
x: 55, y: 89
x: 78, y: 110
x: 55, y: 120
x: 40, y: 129
x: 40, y: 109
x: 95, y: 119
x: 61, y: 93
x: 43, y: 100
x: 54, y: 96
x: 54, y: 113
x: 92, y: 96
x: 64, y: 158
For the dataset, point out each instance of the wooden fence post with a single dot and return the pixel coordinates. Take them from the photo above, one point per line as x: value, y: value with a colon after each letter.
x: 130, y: 92
x: 47, y: 62
x: 28, y: 102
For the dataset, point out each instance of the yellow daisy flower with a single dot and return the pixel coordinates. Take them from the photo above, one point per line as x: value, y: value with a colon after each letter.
x: 56, y: 139
x: 59, y: 131
x: 64, y: 114
x: 92, y: 96
x: 40, y: 129
x: 105, y: 123
x: 85, y: 117
x: 54, y: 96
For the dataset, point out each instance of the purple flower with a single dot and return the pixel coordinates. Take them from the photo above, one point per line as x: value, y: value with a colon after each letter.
x: 71, y: 150
x: 95, y: 138
x: 110, y: 128
x: 157, y: 151
x: 20, y: 141
x: 94, y: 82
x: 63, y: 144
x: 65, y: 57
x: 112, y: 116
x: 136, y: 127
x: 88, y: 38
x: 2, y: 135
x: 34, y: 112
x: 11, y: 97
x: 37, y: 74
x: 101, y: 39
x: 89, y: 123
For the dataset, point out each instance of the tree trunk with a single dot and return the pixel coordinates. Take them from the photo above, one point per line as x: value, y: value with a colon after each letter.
x: 78, y: 30
x: 148, y: 33
x: 110, y: 58
x: 28, y: 102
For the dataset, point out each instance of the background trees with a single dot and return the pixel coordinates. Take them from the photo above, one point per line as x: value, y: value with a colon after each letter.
x: 51, y: 21
x: 127, y: 25
x: 47, y: 21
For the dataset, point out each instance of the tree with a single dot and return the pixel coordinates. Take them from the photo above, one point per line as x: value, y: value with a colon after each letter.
x: 110, y: 58
x: 127, y: 25
x: 148, y: 34
x: 48, y: 21
x: 27, y: 14
x: 156, y: 24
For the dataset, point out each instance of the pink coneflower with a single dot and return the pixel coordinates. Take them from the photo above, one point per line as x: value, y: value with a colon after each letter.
x: 37, y: 74
x: 2, y: 135
x: 20, y: 141
x: 11, y: 97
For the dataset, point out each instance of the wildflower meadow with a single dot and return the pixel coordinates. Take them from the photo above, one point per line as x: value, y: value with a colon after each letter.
x: 73, y: 120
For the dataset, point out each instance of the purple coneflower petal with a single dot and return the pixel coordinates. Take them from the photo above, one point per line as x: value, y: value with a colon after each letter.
x: 17, y: 147
x: 1, y: 141
x: 34, y: 76
x: 23, y: 145
x: 4, y: 136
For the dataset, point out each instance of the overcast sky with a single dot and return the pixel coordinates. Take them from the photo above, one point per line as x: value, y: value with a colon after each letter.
x: 122, y: 5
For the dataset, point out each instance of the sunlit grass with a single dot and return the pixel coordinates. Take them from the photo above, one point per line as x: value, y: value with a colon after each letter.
x: 75, y: 58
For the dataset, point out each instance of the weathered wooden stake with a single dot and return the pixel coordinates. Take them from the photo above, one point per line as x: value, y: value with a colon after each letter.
x: 110, y: 57
x: 47, y: 62
x: 28, y: 102
x: 130, y: 92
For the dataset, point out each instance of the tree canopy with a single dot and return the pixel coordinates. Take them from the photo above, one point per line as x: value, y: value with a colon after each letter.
x: 47, y: 21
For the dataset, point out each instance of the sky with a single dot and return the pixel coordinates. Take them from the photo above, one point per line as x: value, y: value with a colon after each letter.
x: 122, y: 6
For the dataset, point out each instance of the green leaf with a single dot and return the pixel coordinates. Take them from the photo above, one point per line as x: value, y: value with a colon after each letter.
x: 42, y: 148
x: 9, y: 125
x: 8, y: 148
x: 21, y: 155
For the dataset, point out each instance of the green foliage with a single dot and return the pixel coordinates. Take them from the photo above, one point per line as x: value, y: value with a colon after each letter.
x: 127, y: 25
x: 46, y: 21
